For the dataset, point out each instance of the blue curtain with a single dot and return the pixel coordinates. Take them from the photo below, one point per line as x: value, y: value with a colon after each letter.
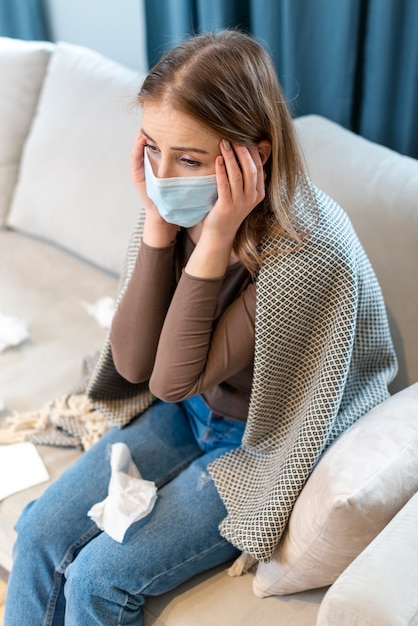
x: 22, y: 19
x: 389, y: 112
x: 352, y: 61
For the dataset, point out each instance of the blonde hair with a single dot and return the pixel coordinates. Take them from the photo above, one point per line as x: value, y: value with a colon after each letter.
x: 227, y: 81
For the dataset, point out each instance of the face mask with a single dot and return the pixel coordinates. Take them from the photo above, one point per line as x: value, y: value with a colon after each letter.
x: 183, y: 201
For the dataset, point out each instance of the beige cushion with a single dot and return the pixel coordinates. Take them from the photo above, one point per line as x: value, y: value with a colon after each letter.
x: 379, y: 189
x: 22, y: 69
x: 361, y: 482
x: 380, y: 587
x: 75, y: 188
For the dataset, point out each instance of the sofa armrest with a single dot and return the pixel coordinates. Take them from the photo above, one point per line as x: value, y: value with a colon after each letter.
x: 379, y: 588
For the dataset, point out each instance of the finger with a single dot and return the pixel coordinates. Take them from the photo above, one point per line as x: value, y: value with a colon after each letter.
x: 140, y: 137
x: 137, y: 159
x: 255, y: 155
x: 232, y: 165
x: 138, y: 147
x: 248, y: 157
x: 224, y: 190
x: 248, y: 162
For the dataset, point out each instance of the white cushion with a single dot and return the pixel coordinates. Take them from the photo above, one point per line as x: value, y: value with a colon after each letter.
x: 380, y: 587
x: 75, y: 188
x: 360, y: 483
x: 22, y: 69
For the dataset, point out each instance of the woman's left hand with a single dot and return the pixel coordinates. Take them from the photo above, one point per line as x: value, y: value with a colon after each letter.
x: 240, y: 178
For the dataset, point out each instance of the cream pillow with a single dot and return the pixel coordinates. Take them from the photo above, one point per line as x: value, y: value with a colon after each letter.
x: 75, y: 188
x: 361, y: 482
x: 380, y: 587
x: 22, y: 70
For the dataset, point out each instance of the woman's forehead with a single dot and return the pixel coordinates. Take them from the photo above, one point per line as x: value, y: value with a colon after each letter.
x: 162, y: 122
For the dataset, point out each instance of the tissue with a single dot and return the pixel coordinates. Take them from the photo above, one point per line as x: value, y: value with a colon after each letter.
x: 12, y: 331
x: 130, y: 498
x: 102, y: 310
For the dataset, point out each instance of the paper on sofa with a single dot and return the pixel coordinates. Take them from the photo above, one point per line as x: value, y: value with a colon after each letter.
x: 21, y: 467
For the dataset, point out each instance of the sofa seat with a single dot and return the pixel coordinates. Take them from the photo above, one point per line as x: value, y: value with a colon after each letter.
x: 215, y: 599
x: 46, y: 288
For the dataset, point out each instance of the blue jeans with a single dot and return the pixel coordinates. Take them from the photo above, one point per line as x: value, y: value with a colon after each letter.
x: 66, y: 571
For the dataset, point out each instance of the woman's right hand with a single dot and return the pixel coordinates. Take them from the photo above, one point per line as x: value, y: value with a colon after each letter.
x: 157, y: 232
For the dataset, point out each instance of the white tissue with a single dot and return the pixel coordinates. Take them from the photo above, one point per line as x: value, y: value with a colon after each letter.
x: 130, y: 498
x: 12, y: 331
x: 102, y: 310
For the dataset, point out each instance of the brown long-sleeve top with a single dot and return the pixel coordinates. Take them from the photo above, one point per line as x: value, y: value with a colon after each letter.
x: 187, y: 335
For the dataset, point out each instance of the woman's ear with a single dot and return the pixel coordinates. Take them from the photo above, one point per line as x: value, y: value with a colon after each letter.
x: 264, y: 150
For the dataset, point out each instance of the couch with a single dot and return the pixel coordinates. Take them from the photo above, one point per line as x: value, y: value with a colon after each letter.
x: 68, y: 118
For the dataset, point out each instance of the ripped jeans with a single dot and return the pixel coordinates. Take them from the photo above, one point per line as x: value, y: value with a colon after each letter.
x: 68, y: 572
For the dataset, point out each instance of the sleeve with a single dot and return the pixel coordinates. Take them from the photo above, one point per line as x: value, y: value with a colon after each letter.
x: 195, y: 351
x: 137, y: 323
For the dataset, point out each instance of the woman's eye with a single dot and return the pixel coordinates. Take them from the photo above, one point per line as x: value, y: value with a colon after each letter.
x: 190, y: 162
x: 150, y: 147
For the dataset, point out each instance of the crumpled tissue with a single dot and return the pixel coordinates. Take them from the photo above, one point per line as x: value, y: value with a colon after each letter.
x: 13, y: 331
x: 130, y: 498
x: 102, y: 310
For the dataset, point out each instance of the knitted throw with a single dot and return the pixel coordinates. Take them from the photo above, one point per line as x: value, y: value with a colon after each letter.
x: 323, y: 358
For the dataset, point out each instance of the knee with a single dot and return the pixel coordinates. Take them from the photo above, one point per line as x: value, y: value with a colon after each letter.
x: 42, y: 534
x: 79, y: 582
x: 89, y: 575
x: 92, y: 587
x: 32, y: 529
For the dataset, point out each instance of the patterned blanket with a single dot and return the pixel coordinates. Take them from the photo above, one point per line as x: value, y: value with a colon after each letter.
x: 323, y: 358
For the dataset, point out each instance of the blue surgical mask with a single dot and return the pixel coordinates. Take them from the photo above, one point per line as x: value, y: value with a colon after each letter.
x: 184, y: 201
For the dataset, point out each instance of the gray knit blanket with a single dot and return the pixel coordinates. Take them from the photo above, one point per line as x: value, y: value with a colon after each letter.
x: 323, y: 358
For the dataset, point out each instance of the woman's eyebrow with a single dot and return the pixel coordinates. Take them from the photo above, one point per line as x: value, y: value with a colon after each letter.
x: 189, y: 149
x: 178, y: 148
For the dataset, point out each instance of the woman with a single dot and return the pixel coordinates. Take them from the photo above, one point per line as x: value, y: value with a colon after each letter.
x: 253, y: 315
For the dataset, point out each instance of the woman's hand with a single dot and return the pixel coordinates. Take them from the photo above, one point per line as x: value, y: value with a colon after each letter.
x: 157, y: 232
x: 240, y: 179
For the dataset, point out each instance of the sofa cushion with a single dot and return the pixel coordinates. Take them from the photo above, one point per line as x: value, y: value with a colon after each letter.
x: 74, y: 188
x: 22, y: 69
x: 215, y: 599
x: 380, y: 587
x: 360, y: 483
x: 379, y: 189
x: 46, y: 288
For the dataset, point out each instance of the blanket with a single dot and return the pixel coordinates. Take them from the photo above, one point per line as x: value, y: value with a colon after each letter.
x: 323, y: 358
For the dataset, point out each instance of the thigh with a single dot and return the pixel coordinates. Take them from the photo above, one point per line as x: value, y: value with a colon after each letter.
x: 176, y: 541
x: 161, y: 444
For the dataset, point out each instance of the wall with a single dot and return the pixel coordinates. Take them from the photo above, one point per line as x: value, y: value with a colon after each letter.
x: 116, y: 28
